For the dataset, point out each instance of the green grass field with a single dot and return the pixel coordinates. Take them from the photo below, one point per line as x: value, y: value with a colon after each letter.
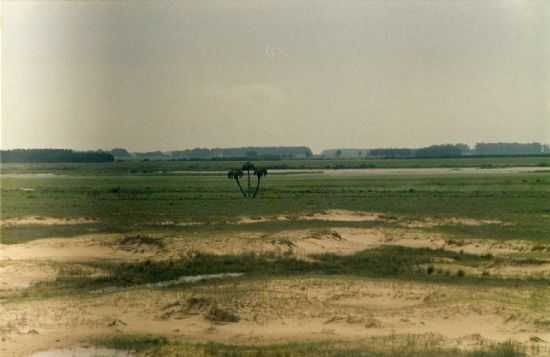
x: 126, y: 203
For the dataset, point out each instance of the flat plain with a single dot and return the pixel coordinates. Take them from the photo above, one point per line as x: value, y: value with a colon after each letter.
x: 167, y: 258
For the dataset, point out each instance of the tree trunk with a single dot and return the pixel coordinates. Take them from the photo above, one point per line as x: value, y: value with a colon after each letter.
x: 240, y: 187
x: 248, y: 173
x: 257, y: 187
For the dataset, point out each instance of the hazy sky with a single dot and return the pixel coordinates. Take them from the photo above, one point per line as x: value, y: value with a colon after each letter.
x: 355, y: 73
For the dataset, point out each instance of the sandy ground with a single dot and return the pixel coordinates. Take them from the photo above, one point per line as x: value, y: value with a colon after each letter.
x: 339, y: 215
x: 274, y: 311
x: 277, y: 310
x: 21, y: 265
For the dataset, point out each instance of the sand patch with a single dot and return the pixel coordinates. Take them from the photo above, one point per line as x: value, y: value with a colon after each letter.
x: 261, y: 219
x: 44, y: 221
x: 454, y: 268
x: 301, y: 243
x: 521, y: 270
x: 332, y: 241
x: 84, y: 248
x: 21, y: 275
x: 417, y: 239
x: 340, y: 215
x: 430, y: 222
x: 345, y: 216
x: 382, y: 298
x: 347, y: 241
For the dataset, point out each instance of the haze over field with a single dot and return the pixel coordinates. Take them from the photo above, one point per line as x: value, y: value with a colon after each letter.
x: 171, y: 75
x: 295, y: 178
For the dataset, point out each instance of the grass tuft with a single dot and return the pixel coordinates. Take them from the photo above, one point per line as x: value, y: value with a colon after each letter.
x: 402, y: 346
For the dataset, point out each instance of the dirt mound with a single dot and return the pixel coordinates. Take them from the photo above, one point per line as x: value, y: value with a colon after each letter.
x: 182, y: 309
x: 326, y: 235
x: 354, y: 319
x: 335, y: 241
x: 206, y: 307
x: 219, y: 315
x: 373, y: 323
x: 139, y: 243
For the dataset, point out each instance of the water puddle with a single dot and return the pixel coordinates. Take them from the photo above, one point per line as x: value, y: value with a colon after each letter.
x: 168, y: 283
x: 192, y: 279
x: 83, y: 352
x: 30, y: 175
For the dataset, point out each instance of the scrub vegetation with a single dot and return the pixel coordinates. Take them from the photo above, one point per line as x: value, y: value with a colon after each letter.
x: 142, y: 258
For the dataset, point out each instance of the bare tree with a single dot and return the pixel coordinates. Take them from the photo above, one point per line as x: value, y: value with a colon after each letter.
x: 259, y: 172
x: 248, y: 166
x: 236, y: 174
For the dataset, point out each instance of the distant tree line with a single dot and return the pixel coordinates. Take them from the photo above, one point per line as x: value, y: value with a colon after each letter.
x: 510, y: 149
x: 121, y: 153
x: 347, y: 153
x: 392, y: 153
x: 248, y: 153
x: 445, y: 150
x: 54, y: 155
x: 273, y: 153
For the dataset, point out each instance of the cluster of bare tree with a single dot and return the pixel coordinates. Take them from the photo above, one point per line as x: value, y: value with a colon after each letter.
x: 237, y: 174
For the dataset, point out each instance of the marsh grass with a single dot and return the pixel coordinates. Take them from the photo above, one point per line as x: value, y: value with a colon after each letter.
x: 387, y: 262
x: 383, y: 262
x: 402, y: 346
x: 136, y: 343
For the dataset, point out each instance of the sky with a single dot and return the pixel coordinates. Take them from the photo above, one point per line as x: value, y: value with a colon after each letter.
x: 168, y: 75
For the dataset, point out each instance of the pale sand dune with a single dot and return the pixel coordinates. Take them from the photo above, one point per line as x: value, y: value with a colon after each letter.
x: 297, y: 310
x: 269, y: 311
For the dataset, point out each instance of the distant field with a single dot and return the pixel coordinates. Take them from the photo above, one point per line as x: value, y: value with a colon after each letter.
x: 171, y: 167
x: 134, y: 202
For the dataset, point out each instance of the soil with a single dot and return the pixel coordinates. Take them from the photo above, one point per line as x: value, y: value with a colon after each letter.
x: 251, y: 311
